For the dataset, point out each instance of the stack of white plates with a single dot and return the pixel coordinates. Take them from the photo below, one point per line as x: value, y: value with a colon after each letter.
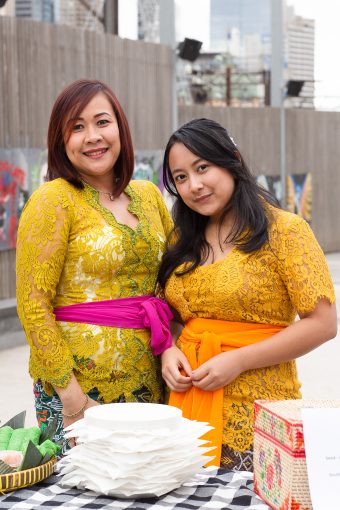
x: 134, y: 450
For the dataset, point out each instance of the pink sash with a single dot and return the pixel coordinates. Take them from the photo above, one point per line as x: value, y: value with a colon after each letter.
x: 136, y: 312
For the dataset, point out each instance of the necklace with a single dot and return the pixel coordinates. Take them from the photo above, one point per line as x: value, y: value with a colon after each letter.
x: 111, y: 196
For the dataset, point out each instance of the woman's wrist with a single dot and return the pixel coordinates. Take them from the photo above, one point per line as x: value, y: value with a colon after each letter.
x: 76, y: 413
x: 72, y: 396
x: 241, y: 359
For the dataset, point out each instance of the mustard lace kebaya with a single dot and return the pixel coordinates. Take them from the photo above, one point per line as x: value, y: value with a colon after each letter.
x: 71, y: 250
x: 288, y: 275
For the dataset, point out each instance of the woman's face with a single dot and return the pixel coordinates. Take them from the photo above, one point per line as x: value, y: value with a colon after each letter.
x: 94, y: 144
x: 203, y: 186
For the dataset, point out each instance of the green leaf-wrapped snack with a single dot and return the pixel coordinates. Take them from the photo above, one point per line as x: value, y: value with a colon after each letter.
x: 32, y: 434
x: 5, y: 436
x: 16, y: 439
x: 21, y: 437
x: 48, y: 447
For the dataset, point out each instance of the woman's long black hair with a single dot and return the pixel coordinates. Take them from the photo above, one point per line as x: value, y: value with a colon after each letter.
x: 210, y: 141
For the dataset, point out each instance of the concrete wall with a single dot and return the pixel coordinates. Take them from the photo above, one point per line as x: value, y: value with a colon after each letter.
x: 37, y: 60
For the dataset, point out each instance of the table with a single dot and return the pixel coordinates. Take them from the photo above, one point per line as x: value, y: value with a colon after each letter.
x: 212, y: 488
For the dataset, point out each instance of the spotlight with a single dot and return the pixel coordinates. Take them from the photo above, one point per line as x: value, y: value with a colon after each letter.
x: 189, y: 49
x: 294, y: 87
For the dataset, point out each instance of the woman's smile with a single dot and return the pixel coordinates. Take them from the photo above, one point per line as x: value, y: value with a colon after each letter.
x: 94, y: 144
x: 95, y: 153
x: 203, y: 186
x: 203, y: 198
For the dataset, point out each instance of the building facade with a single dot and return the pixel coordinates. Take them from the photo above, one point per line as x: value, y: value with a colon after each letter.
x: 242, y: 30
x: 299, y: 50
x: 87, y: 14
x: 39, y: 10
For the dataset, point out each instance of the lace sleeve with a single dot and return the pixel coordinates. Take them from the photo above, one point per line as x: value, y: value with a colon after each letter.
x: 41, y: 249
x: 302, y: 264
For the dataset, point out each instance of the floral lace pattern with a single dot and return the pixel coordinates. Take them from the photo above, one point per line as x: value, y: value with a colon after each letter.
x: 287, y: 276
x: 70, y: 250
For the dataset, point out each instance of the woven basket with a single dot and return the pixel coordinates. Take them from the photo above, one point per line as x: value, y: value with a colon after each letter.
x: 280, y: 470
x: 21, y: 479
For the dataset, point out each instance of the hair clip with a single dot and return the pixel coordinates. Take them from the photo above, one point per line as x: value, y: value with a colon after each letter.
x: 232, y: 139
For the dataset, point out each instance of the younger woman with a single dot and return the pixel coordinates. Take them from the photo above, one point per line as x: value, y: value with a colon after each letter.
x: 238, y: 270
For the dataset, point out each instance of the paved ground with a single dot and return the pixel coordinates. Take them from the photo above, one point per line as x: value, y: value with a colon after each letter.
x: 319, y: 370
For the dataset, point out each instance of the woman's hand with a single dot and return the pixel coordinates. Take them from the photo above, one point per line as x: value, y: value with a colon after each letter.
x: 74, y: 402
x: 68, y: 420
x: 176, y: 370
x: 218, y: 371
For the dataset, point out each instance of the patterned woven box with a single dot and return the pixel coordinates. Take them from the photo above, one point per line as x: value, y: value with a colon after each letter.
x: 280, y: 471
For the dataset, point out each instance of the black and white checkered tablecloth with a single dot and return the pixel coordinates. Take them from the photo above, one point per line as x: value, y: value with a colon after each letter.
x: 211, y: 489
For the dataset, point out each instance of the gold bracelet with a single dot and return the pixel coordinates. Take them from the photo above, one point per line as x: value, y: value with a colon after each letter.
x: 74, y: 415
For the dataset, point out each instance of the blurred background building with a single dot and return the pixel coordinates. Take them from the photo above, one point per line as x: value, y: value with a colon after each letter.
x: 87, y: 14
x: 234, y: 66
x: 148, y: 20
x: 40, y: 10
x: 299, y: 50
x: 240, y: 61
x: 236, y: 69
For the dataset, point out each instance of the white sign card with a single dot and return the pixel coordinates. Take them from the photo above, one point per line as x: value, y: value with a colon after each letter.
x: 321, y: 429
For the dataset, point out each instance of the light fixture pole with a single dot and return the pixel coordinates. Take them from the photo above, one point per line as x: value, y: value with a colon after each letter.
x: 111, y: 17
x: 277, y: 87
x: 283, y: 176
x: 168, y: 37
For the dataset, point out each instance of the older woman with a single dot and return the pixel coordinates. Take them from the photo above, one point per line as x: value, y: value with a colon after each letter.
x: 89, y: 246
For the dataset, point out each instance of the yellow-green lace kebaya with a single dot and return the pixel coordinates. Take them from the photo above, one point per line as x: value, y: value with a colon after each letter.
x: 71, y: 249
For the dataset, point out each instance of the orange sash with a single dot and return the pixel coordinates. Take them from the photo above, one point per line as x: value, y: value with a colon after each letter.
x: 201, y: 339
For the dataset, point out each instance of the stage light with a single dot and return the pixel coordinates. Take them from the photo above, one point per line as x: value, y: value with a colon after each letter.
x: 189, y: 49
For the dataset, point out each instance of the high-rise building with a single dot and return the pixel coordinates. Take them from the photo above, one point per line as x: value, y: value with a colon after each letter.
x: 86, y: 14
x: 40, y: 10
x: 242, y: 29
x: 299, y: 50
x: 148, y: 20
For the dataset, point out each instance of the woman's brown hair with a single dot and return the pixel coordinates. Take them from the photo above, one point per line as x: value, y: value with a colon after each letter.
x: 68, y: 105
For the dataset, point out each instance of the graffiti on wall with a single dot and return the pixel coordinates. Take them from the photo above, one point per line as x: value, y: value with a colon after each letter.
x: 298, y: 192
x: 12, y: 199
x: 21, y: 173
x: 271, y: 183
x: 23, y: 170
x: 299, y: 195
x: 148, y: 166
